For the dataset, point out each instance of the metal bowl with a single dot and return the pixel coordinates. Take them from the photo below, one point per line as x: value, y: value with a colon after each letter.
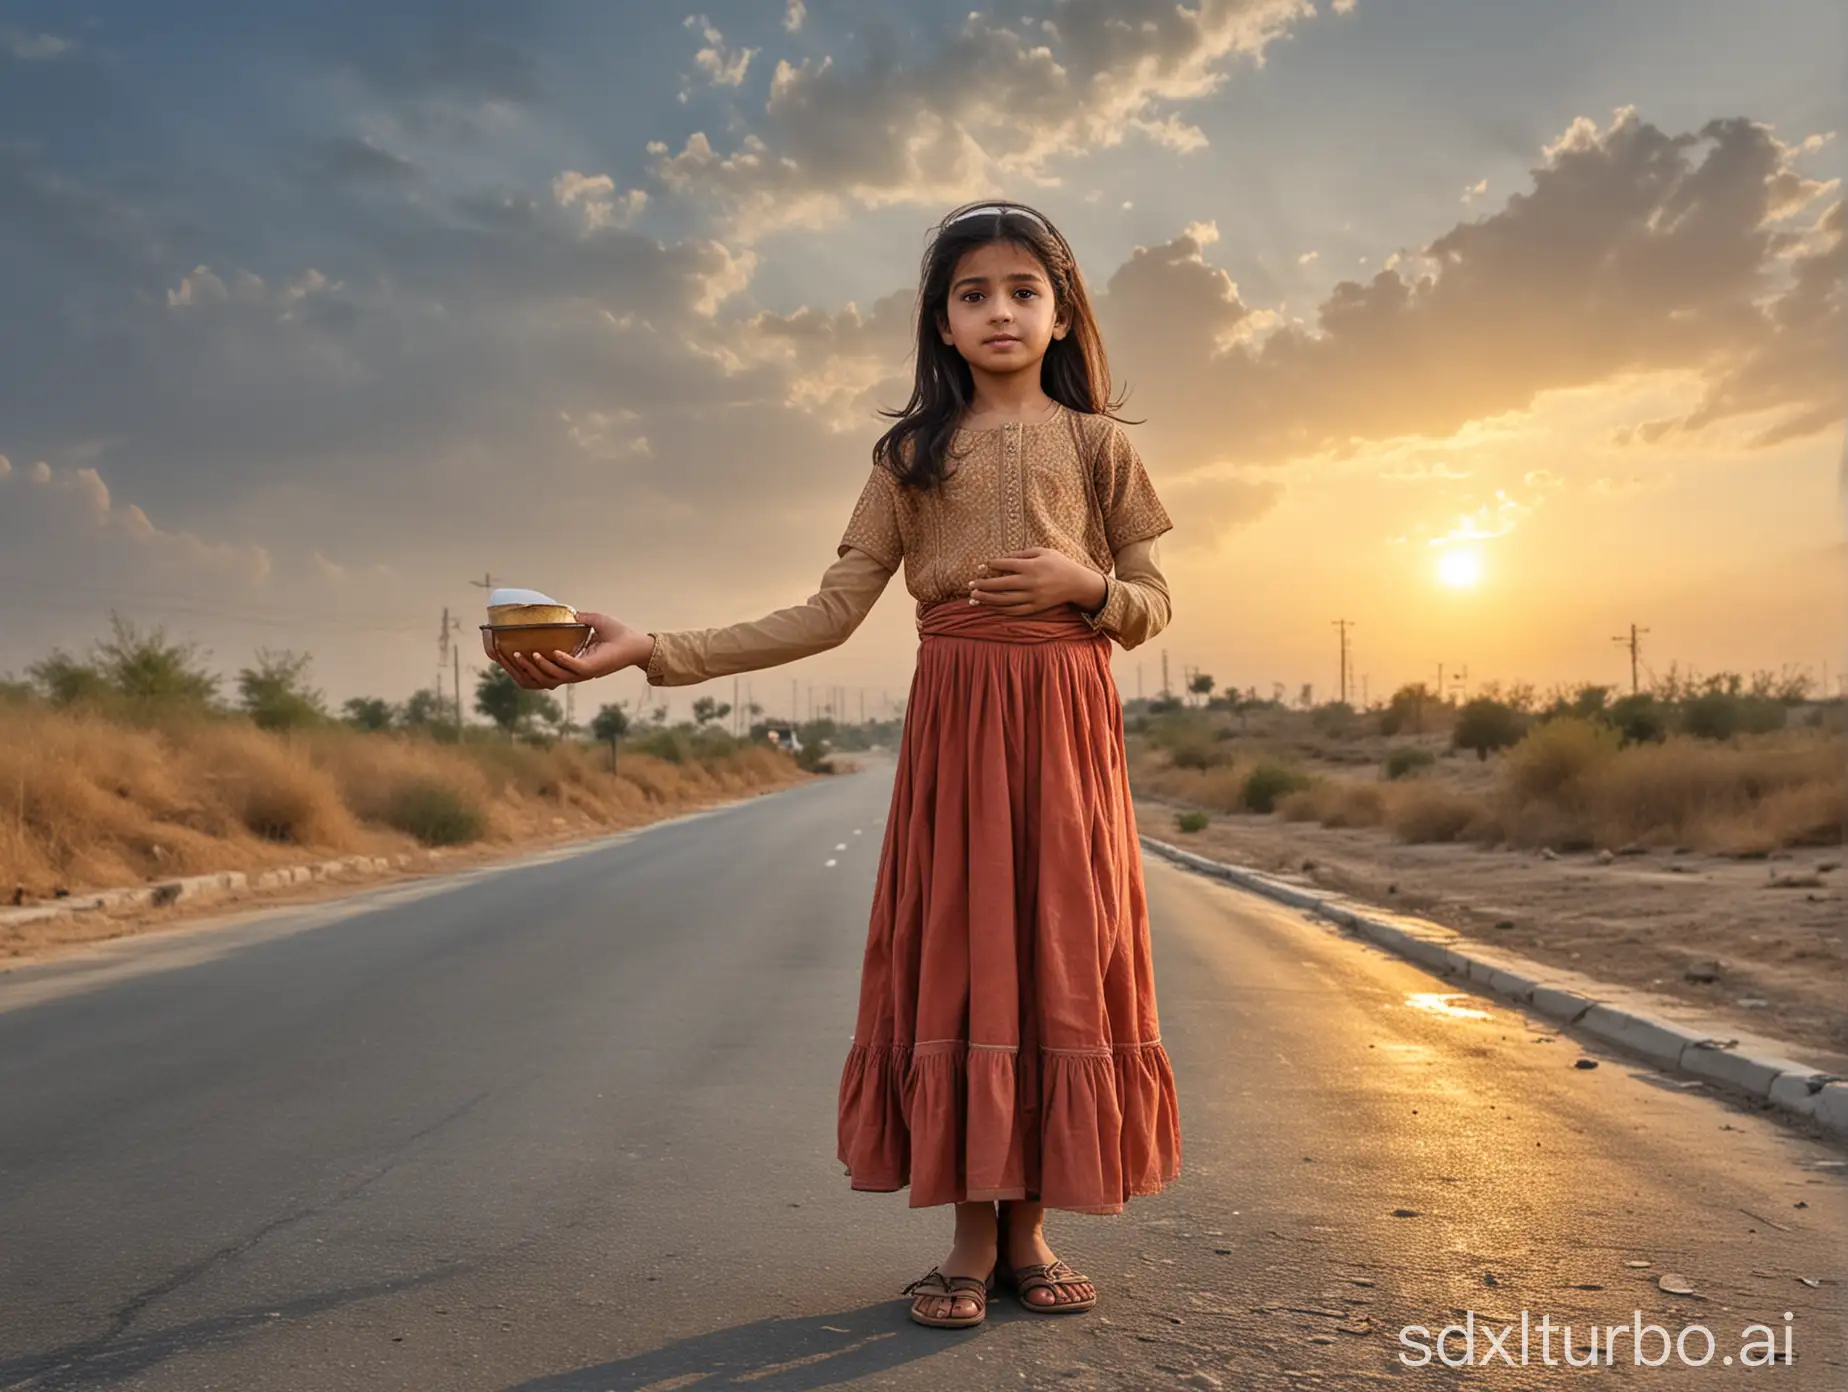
x: 527, y: 639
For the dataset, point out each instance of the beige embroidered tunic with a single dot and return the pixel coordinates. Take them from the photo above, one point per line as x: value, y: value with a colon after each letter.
x: 1072, y: 483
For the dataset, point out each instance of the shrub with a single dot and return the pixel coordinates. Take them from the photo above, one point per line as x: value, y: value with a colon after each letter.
x: 1553, y: 760
x: 1408, y: 758
x: 1428, y: 811
x: 671, y: 745
x: 435, y: 812
x: 1191, y: 821
x: 1199, y: 753
x: 1268, y: 782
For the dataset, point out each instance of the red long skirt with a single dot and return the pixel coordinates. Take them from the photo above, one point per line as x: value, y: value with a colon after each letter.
x: 1007, y: 1045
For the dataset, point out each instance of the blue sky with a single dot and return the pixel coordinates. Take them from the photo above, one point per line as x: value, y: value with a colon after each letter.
x: 471, y: 299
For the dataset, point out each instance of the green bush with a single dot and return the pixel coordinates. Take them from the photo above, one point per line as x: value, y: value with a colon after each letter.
x: 1719, y: 715
x: 1638, y: 718
x: 671, y: 745
x: 435, y: 813
x: 1268, y: 782
x: 1408, y: 758
x: 1191, y: 821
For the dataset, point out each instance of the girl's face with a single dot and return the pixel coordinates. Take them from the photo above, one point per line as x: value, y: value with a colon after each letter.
x: 1000, y: 316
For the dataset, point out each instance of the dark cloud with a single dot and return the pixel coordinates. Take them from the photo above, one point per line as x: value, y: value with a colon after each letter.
x: 998, y: 95
x: 464, y: 56
x: 1634, y: 251
x: 349, y: 160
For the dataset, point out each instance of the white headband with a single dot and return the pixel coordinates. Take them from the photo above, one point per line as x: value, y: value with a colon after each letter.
x: 997, y: 209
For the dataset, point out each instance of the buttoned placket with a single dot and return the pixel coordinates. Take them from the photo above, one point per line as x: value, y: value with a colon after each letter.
x: 1010, y: 484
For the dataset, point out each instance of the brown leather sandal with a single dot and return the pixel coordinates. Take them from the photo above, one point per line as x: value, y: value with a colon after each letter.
x: 935, y: 1284
x: 1047, y: 1275
x: 1036, y: 1276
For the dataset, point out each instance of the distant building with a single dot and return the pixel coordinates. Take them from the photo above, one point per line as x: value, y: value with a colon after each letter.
x: 783, y: 736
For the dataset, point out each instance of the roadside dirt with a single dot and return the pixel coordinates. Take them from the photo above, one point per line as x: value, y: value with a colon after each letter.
x: 55, y: 937
x: 1769, y: 931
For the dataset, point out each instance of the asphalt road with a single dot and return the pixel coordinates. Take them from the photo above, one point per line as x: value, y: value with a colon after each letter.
x: 568, y: 1126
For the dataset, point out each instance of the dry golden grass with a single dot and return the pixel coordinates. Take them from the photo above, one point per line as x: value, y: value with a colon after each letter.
x: 88, y: 802
x: 1567, y: 785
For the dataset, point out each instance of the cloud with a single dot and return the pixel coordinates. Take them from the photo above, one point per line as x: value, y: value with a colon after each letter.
x: 34, y: 48
x: 594, y: 198
x: 989, y: 100
x: 1634, y: 251
x: 358, y: 160
x: 201, y: 286
x: 723, y: 64
x: 76, y: 507
x: 794, y: 15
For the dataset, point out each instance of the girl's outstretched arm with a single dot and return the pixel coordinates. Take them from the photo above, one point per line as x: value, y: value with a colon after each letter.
x: 1136, y: 604
x: 849, y: 588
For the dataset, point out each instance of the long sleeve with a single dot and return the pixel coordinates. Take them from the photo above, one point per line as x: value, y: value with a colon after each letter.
x: 1138, y: 606
x: 849, y: 588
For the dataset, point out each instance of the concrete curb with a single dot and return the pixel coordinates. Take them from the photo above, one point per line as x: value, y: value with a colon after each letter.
x: 192, y: 888
x: 1633, y: 1021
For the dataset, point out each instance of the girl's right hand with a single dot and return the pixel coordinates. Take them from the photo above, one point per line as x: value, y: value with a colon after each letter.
x: 613, y: 646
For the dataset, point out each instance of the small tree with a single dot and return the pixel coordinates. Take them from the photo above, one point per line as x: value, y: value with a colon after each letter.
x: 146, y: 667
x: 422, y: 707
x: 276, y: 694
x: 1404, y: 713
x: 370, y: 713
x: 1484, y: 725
x: 65, y: 681
x: 706, y: 709
x: 511, y: 706
x: 1200, y: 684
x: 609, y: 724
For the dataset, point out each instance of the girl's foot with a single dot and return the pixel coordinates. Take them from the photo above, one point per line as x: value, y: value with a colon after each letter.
x: 972, y: 1253
x: 1025, y: 1245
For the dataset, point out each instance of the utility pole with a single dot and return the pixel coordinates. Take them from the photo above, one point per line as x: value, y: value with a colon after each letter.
x: 445, y: 652
x: 1635, y: 653
x: 1344, y: 625
x: 1463, y: 681
x: 1164, y: 673
x: 1138, y: 681
x: 1441, y: 698
x: 1366, y: 702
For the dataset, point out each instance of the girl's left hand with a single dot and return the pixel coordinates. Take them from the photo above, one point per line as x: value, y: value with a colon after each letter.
x: 1025, y: 582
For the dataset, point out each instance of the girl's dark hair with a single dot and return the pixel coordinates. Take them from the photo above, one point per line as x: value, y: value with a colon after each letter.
x: 1073, y: 372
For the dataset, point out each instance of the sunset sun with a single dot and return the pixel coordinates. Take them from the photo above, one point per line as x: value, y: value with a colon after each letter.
x: 1461, y: 570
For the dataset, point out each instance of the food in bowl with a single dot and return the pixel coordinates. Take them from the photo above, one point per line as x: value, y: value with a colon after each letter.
x: 527, y: 622
x: 509, y: 606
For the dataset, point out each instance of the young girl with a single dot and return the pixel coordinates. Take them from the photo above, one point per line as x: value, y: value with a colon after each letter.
x: 1006, y: 1057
